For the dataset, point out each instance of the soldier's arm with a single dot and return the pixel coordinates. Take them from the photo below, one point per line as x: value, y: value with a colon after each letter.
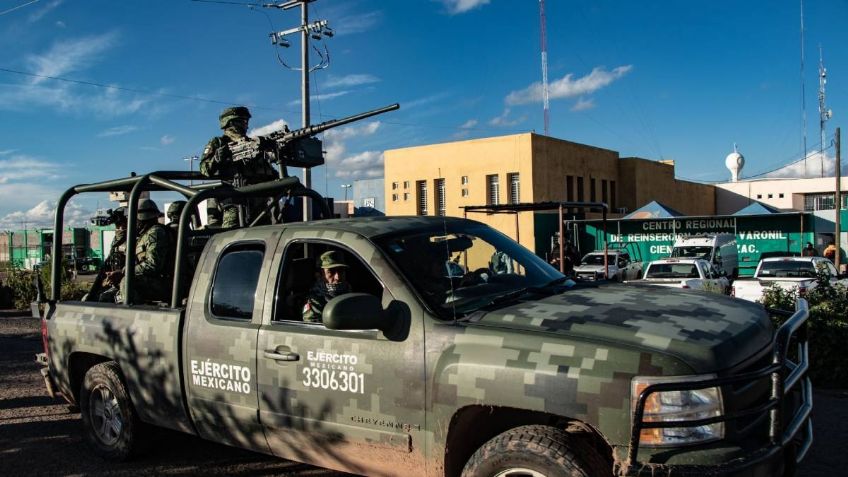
x: 156, y: 256
x: 210, y: 160
x: 312, y: 310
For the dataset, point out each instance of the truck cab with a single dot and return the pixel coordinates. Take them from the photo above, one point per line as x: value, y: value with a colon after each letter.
x: 718, y: 249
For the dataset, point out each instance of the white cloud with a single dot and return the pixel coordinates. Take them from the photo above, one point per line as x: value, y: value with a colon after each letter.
x: 456, y: 7
x: 358, y: 23
x: 352, y: 166
x: 567, y: 86
x: 117, y: 131
x: 107, y: 102
x: 365, y: 165
x: 505, y: 120
x: 320, y: 97
x: 73, y: 55
x: 812, y: 169
x: 583, y: 104
x: 425, y: 100
x: 60, y: 24
x: 350, y: 80
x: 6, y: 152
x: 469, y: 124
x: 43, y: 214
x: 20, y: 166
x: 166, y: 140
x: 44, y: 11
x: 268, y: 128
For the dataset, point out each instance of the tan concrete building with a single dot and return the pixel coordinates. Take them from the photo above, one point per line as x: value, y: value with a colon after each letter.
x: 440, y: 179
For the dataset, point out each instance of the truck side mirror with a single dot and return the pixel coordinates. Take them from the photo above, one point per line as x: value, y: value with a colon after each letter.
x: 355, y: 311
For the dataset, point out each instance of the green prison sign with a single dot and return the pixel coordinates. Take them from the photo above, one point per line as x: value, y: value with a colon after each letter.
x: 654, y: 238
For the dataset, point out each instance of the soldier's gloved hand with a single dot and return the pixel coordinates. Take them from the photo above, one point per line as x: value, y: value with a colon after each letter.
x: 222, y: 154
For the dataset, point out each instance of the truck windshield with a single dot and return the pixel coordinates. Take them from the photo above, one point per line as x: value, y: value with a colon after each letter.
x: 692, y: 252
x: 598, y: 259
x: 672, y: 270
x: 787, y: 269
x: 463, y: 268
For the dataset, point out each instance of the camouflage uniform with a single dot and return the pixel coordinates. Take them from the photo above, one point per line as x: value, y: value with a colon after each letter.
x: 153, y: 258
x: 322, y: 292
x: 216, y: 160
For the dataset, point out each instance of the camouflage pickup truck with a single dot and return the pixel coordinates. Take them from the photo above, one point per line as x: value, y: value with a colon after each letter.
x: 430, y: 368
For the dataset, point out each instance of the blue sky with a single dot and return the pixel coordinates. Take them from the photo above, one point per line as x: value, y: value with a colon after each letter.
x: 681, y: 80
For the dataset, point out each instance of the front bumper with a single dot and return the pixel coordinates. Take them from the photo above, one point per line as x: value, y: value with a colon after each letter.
x: 789, y: 437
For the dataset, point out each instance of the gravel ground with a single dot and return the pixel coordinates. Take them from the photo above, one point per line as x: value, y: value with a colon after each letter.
x: 38, y: 435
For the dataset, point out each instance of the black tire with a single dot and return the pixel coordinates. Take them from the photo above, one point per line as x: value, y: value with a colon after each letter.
x: 536, y: 450
x: 109, y: 421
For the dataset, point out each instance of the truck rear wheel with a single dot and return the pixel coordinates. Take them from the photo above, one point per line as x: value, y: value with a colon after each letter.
x: 108, y: 418
x: 535, y: 451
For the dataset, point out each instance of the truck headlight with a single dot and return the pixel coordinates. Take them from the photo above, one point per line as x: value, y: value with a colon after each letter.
x: 678, y: 406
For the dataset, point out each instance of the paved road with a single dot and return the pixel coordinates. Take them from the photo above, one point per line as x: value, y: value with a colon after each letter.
x: 40, y: 436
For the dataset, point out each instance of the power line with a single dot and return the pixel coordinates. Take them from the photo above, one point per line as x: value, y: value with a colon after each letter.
x: 15, y: 8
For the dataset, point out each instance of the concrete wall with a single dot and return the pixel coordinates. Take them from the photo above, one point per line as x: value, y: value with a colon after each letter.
x: 642, y: 181
x: 369, y: 196
x: 554, y: 160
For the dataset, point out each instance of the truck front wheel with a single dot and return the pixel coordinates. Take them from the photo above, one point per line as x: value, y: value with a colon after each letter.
x: 108, y: 418
x: 535, y: 451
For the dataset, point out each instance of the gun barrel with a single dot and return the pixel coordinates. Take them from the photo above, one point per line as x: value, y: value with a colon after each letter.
x: 317, y: 128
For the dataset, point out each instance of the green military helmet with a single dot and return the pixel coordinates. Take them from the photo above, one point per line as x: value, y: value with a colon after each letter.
x: 175, y: 209
x: 147, y: 210
x: 236, y: 112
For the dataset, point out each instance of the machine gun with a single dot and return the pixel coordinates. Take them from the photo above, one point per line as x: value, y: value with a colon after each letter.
x: 296, y: 148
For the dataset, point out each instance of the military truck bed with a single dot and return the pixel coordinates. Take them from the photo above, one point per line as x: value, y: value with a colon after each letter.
x: 144, y: 341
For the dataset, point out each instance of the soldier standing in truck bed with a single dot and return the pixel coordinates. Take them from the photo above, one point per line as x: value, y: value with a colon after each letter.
x: 218, y: 161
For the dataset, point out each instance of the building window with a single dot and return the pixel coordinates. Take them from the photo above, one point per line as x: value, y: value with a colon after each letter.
x: 465, y: 192
x: 771, y: 196
x: 394, y: 197
x: 492, y: 193
x: 579, y: 189
x: 514, y: 188
x: 569, y: 188
x: 612, y: 195
x: 394, y: 185
x: 406, y: 196
x: 592, y: 190
x: 759, y: 196
x: 406, y: 184
x: 604, y: 191
x: 439, y: 186
x: 421, y: 197
x: 464, y: 180
x: 820, y: 202
x: 780, y: 196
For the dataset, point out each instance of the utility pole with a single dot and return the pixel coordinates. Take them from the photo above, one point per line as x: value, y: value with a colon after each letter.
x: 191, y: 160
x: 314, y: 30
x: 838, y: 201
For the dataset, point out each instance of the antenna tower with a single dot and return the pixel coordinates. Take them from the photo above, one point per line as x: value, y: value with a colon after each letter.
x: 824, y: 113
x: 544, y: 40
x: 803, y: 94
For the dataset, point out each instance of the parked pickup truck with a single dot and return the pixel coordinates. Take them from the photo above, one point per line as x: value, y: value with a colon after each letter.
x: 415, y: 373
x: 620, y: 266
x: 789, y: 273
x: 687, y: 273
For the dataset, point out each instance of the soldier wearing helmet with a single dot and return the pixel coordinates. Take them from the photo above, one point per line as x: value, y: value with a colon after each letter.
x: 153, y: 252
x: 217, y: 161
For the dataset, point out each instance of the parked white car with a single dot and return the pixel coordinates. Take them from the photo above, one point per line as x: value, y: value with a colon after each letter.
x: 619, y: 266
x: 689, y: 273
x: 789, y: 273
x: 718, y: 249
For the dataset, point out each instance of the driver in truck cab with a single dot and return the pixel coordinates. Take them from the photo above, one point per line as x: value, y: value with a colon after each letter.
x: 331, y: 283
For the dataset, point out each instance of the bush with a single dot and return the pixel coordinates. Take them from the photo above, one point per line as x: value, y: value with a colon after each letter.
x: 22, y: 284
x: 827, y: 327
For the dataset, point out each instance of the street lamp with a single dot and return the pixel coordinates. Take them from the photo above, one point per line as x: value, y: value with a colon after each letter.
x: 190, y: 160
x: 345, y: 187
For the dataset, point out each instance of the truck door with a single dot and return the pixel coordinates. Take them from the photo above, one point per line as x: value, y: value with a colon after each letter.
x: 219, y: 343
x: 347, y: 400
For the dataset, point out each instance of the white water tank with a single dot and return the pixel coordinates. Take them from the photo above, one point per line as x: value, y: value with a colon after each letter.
x: 734, y: 162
